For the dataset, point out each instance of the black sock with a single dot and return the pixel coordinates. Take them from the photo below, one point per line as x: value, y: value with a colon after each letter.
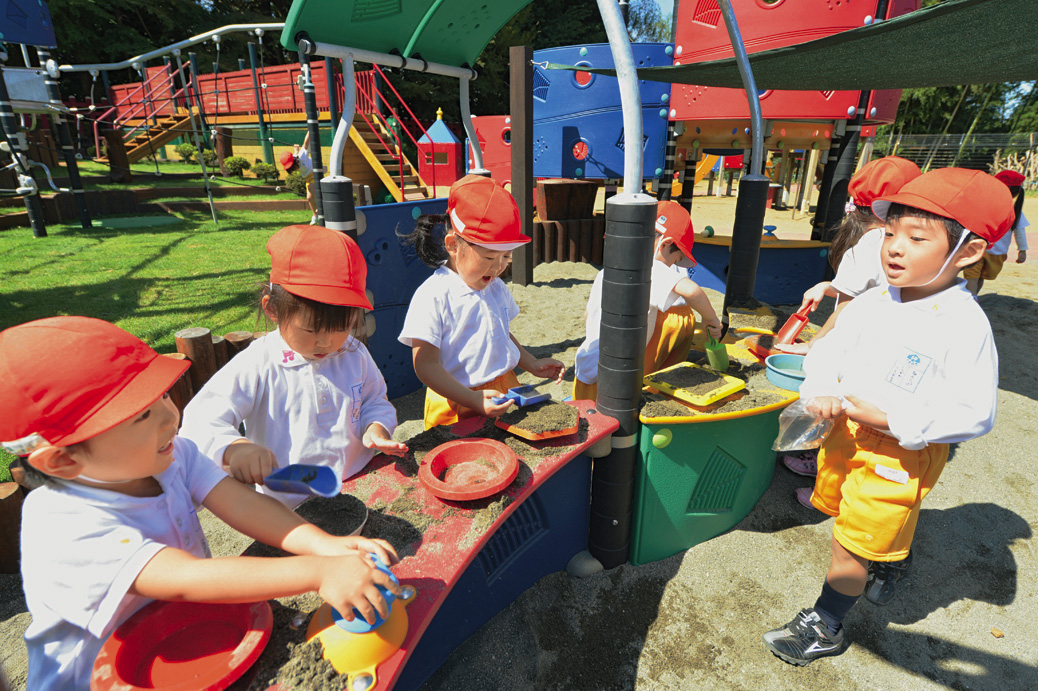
x: 832, y: 607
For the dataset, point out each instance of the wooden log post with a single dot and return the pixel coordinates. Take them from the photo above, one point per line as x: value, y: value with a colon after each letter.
x: 237, y: 341
x: 221, y: 351
x: 587, y: 230
x: 597, y: 240
x: 181, y: 392
x: 573, y: 238
x: 118, y: 162
x: 520, y: 99
x: 196, y: 343
x: 561, y: 241
x: 549, y: 242
x: 11, y: 496
x: 223, y: 144
x: 537, y: 243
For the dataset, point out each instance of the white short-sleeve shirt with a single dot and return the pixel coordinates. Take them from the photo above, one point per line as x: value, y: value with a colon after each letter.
x: 470, y: 327
x: 861, y: 267
x: 82, y: 549
x: 305, y: 411
x: 1019, y: 232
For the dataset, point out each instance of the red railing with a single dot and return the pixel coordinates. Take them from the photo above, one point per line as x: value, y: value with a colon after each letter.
x: 157, y: 95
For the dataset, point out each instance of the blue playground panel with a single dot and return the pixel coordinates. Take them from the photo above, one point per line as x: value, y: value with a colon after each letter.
x: 784, y: 271
x: 27, y: 22
x: 577, y: 116
x: 394, y: 273
x: 539, y: 538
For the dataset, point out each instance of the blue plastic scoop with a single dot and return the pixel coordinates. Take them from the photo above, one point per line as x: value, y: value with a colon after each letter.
x: 523, y: 395
x: 304, y: 479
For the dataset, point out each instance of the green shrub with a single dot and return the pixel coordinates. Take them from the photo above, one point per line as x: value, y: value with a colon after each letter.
x: 236, y: 165
x: 186, y: 152
x: 209, y: 156
x: 265, y: 171
x: 297, y: 183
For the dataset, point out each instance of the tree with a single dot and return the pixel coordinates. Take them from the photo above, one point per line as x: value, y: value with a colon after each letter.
x: 646, y: 23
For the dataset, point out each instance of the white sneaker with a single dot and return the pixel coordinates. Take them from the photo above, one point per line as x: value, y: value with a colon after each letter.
x: 313, y: 220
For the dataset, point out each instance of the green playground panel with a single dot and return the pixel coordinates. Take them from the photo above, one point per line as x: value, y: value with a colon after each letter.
x: 707, y: 478
x: 450, y: 33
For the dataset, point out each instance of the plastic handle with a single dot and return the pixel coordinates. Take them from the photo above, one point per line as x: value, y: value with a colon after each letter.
x: 500, y: 399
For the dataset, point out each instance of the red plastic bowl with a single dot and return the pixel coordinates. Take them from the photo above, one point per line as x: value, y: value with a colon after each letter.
x: 466, y: 469
x: 183, y: 646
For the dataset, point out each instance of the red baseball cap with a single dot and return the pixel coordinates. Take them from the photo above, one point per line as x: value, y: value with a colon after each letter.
x: 978, y: 201
x: 319, y: 264
x: 881, y: 178
x: 1011, y: 178
x: 484, y: 213
x: 288, y: 159
x: 67, y: 379
x: 672, y: 221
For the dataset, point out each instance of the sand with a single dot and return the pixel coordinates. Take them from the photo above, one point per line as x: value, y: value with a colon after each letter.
x: 694, y: 620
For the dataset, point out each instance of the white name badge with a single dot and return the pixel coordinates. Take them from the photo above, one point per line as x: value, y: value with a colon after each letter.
x: 908, y: 370
x: 893, y: 474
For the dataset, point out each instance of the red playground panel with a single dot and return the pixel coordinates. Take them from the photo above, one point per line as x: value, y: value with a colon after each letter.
x: 494, y: 133
x: 766, y: 24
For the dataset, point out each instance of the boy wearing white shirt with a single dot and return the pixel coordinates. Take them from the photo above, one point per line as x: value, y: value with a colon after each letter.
x: 113, y: 525
x: 907, y: 370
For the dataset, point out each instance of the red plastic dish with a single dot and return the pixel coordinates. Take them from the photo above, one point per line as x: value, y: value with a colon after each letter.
x: 183, y: 646
x: 467, y: 469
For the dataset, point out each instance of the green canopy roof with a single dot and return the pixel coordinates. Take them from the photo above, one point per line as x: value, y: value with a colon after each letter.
x: 448, y: 32
x: 955, y: 42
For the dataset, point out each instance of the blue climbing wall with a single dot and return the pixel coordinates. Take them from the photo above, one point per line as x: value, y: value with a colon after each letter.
x: 577, y: 118
x: 784, y: 269
x: 28, y: 22
x: 394, y: 273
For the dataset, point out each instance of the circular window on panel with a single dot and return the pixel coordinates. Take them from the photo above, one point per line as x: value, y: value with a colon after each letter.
x: 583, y: 80
x: 761, y: 95
x: 770, y: 4
x: 580, y: 150
x: 506, y: 135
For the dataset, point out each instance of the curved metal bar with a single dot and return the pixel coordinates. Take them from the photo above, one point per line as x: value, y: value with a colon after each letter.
x: 159, y: 52
x: 756, y: 120
x: 335, y: 51
x: 470, y: 129
x: 630, y: 95
x: 349, y: 107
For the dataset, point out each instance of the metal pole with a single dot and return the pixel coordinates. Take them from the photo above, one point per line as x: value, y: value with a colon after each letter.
x: 629, y: 238
x: 194, y: 132
x: 26, y: 184
x: 67, y: 152
x: 753, y: 187
x: 470, y: 129
x: 667, y: 181
x: 828, y: 174
x: 241, y: 64
x: 333, y: 94
x: 197, y: 94
x: 268, y: 149
x: 313, y: 126
x: 340, y: 212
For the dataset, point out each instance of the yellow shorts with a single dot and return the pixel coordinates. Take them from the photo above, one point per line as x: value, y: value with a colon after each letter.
x: 987, y: 267
x: 671, y: 338
x: 874, y: 488
x: 582, y: 391
x: 442, y: 411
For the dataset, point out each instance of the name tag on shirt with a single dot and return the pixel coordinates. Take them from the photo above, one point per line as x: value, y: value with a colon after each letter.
x: 893, y: 474
x: 908, y: 370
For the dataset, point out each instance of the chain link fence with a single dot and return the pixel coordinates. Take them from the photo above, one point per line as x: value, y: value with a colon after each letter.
x: 988, y: 152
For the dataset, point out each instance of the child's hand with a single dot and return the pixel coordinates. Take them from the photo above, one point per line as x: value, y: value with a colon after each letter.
x: 334, y: 546
x: 866, y: 414
x: 376, y: 437
x: 826, y: 407
x: 1021, y: 256
x: 248, y: 462
x: 814, y: 295
x: 548, y: 368
x: 713, y: 326
x: 491, y: 409
x: 351, y: 581
x: 795, y: 348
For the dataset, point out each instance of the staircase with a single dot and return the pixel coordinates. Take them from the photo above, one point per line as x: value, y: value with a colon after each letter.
x: 148, y: 139
x: 394, y: 169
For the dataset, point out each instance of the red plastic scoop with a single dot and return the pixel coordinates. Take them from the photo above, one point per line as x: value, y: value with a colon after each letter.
x: 793, y: 326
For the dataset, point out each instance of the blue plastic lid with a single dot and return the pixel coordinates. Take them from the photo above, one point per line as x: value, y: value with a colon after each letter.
x: 359, y: 624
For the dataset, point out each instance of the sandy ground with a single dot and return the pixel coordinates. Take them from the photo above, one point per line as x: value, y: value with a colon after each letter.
x: 694, y: 620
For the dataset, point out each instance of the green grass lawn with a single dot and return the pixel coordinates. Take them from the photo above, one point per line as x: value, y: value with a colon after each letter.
x: 151, y: 282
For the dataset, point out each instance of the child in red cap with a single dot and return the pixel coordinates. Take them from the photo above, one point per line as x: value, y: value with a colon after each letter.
x: 298, y: 159
x: 990, y: 265
x: 309, y: 391
x: 672, y: 297
x: 458, y: 322
x: 854, y: 256
x: 908, y: 369
x: 114, y: 525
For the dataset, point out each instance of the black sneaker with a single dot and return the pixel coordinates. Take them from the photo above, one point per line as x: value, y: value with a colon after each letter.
x: 881, y: 583
x: 804, y: 639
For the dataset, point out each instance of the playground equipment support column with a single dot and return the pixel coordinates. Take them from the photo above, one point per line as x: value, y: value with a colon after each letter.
x: 470, y: 129
x: 520, y: 109
x: 629, y: 238
x: 313, y: 126
x: 826, y: 185
x: 194, y: 132
x: 9, y: 127
x: 753, y: 187
x: 196, y: 92
x: 67, y: 152
x: 340, y: 212
x: 667, y: 180
x: 333, y: 94
x: 268, y: 149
